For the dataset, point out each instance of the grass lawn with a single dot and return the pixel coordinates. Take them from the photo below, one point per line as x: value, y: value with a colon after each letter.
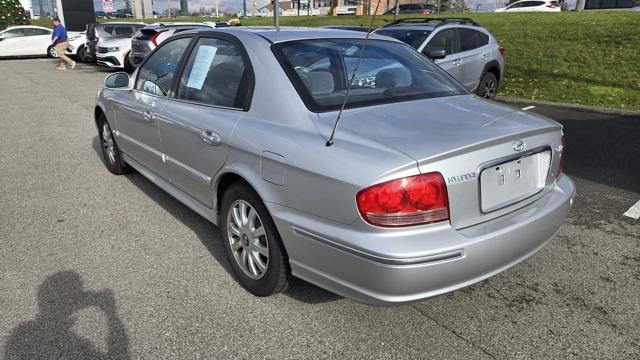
x: 590, y: 58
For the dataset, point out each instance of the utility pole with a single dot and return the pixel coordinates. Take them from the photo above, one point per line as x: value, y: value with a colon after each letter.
x: 395, y: 13
x: 298, y: 7
x: 244, y: 8
x: 253, y: 8
x: 310, y: 2
x: 276, y: 16
x: 168, y: 9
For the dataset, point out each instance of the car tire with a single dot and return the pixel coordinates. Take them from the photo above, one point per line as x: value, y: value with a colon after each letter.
x: 488, y: 87
x: 128, y: 67
x: 252, y: 243
x: 110, y: 151
x: 51, y: 52
x: 80, y: 55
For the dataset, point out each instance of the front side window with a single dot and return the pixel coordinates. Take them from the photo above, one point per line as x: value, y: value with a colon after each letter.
x: 444, y: 40
x: 388, y: 72
x: 214, y: 75
x: 13, y: 33
x: 36, y: 32
x: 412, y: 37
x: 156, y: 74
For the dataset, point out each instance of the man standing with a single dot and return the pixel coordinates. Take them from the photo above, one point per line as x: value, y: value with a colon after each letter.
x: 59, y: 40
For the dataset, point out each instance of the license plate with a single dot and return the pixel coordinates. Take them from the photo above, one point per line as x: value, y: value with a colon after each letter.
x: 509, y: 182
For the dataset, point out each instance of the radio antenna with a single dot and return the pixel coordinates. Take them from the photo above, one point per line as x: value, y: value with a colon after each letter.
x: 353, y: 76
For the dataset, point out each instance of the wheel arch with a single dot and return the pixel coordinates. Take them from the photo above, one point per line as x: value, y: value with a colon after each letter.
x: 233, y: 174
x: 493, y: 67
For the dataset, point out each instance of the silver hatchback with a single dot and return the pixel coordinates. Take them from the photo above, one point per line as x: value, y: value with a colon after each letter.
x: 463, y: 48
x: 422, y: 189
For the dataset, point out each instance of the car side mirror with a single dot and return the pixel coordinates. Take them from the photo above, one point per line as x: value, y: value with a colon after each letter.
x: 119, y: 80
x: 436, y: 54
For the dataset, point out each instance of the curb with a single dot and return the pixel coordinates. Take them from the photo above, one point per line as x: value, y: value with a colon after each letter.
x: 598, y: 109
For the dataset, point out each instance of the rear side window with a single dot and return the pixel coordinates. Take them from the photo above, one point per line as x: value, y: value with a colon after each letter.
x: 444, y: 40
x: 156, y: 74
x: 471, y: 39
x: 214, y: 75
x: 36, y: 32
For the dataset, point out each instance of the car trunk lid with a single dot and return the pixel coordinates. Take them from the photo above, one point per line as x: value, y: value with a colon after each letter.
x: 461, y: 136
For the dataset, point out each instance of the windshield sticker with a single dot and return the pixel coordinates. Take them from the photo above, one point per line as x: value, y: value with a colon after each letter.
x: 201, y: 66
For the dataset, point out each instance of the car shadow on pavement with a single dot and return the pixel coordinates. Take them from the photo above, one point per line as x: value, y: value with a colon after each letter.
x: 209, y: 235
x: 51, y: 333
x: 605, y: 150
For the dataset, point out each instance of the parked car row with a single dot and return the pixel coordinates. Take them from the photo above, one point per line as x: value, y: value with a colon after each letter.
x: 352, y: 162
x: 123, y: 45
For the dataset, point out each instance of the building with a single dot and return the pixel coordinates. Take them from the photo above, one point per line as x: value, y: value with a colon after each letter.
x: 606, y: 4
x: 368, y: 7
x: 184, y: 8
x: 298, y: 7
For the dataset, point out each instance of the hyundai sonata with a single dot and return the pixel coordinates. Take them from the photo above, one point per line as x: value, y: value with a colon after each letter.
x: 353, y: 163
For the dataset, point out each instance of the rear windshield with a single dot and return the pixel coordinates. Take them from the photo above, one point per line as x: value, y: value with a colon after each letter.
x: 388, y: 72
x: 414, y: 37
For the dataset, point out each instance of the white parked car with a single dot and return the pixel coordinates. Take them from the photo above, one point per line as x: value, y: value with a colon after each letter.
x: 114, y: 52
x: 531, y: 6
x: 28, y: 40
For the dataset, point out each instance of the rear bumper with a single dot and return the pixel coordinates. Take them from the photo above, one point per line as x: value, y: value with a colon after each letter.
x: 441, y: 260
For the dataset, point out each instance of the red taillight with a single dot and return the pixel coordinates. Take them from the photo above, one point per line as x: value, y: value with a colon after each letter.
x: 155, y: 37
x: 412, y: 200
x: 501, y: 49
x: 561, y: 161
x: 425, y: 12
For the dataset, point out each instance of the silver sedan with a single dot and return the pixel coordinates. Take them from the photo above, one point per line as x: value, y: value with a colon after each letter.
x: 419, y: 189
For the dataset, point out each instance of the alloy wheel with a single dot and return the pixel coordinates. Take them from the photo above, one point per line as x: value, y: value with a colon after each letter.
x: 247, y: 239
x: 489, y: 89
x: 107, y: 143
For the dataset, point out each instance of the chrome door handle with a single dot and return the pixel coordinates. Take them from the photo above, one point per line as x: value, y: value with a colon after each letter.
x: 485, y: 57
x: 456, y: 62
x: 148, y: 116
x: 211, y: 137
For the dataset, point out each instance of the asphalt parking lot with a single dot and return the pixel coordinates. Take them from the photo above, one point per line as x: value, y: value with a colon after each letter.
x: 94, y: 265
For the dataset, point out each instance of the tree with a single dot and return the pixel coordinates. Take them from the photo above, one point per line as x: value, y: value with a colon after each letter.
x: 11, y: 13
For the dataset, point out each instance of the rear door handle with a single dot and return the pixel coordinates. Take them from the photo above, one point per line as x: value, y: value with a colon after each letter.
x: 485, y: 57
x: 211, y: 137
x: 148, y: 116
x: 456, y: 62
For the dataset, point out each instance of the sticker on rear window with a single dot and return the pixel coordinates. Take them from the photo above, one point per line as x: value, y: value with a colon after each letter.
x: 201, y: 66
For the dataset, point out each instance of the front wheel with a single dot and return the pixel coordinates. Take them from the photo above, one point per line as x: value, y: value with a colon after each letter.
x: 52, y: 52
x: 488, y: 87
x: 110, y: 151
x: 81, y: 54
x: 252, y: 243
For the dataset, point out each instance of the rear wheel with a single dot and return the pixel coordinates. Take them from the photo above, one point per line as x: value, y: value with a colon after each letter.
x: 110, y: 151
x: 488, y: 87
x: 51, y: 52
x: 252, y: 243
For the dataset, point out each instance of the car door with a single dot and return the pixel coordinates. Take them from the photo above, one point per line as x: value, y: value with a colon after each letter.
x: 474, y: 54
x: 37, y: 40
x: 447, y: 40
x: 196, y: 124
x: 12, y: 42
x: 136, y: 116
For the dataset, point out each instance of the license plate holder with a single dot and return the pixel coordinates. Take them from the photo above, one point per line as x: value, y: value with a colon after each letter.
x: 505, y: 183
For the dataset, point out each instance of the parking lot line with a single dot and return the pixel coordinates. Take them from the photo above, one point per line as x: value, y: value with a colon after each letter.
x: 634, y: 211
x: 528, y: 107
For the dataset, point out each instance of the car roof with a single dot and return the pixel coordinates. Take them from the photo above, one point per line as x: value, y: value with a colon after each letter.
x: 112, y: 23
x: 27, y: 27
x: 298, y: 33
